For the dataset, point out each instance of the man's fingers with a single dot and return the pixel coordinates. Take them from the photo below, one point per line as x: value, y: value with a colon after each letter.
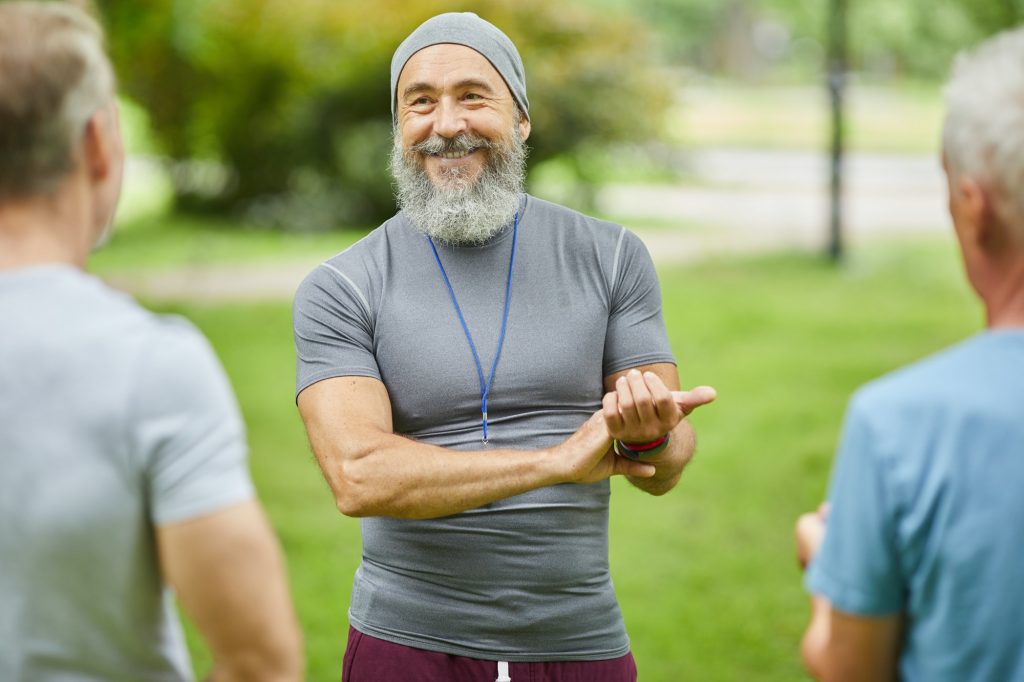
x: 664, y: 405
x: 810, y: 530
x: 630, y: 467
x: 627, y: 402
x: 688, y: 401
x: 641, y: 396
x: 610, y: 408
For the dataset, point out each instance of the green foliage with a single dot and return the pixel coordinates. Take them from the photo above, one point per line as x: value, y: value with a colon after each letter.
x: 752, y: 38
x: 291, y: 96
x: 994, y: 15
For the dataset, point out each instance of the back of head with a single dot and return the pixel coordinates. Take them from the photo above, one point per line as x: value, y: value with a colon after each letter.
x: 984, y: 131
x: 54, y: 75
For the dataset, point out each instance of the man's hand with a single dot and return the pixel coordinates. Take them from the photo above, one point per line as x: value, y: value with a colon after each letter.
x: 810, y: 531
x: 589, y: 456
x: 642, y: 408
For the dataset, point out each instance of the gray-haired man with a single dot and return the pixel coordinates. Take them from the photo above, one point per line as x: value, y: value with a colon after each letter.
x: 122, y: 452
x: 919, y: 574
x: 451, y: 372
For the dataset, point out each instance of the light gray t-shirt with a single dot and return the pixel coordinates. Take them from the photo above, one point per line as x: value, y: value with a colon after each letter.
x: 112, y: 420
x: 525, y: 578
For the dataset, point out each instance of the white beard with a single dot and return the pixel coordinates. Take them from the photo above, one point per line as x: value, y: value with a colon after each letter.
x: 460, y: 212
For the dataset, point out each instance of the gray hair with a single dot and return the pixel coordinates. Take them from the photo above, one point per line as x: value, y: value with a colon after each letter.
x: 983, y: 136
x: 54, y: 75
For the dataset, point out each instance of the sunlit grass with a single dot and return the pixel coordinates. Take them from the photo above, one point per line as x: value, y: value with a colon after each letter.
x: 177, y: 240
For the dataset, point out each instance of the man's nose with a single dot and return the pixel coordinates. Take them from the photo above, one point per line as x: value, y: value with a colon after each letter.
x: 450, y: 118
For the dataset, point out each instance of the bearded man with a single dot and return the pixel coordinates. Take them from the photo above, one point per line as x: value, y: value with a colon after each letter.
x: 451, y: 371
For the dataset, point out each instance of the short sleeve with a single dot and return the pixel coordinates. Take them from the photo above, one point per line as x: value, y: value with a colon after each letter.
x: 858, y: 567
x: 333, y: 329
x: 636, y: 329
x: 187, y: 428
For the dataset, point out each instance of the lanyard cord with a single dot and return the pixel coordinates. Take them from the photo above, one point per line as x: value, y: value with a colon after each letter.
x: 485, y: 386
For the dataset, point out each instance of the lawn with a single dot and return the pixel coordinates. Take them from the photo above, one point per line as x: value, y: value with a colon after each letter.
x: 705, y: 575
x: 172, y: 241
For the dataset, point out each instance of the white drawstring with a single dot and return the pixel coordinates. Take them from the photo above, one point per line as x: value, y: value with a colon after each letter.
x: 503, y: 672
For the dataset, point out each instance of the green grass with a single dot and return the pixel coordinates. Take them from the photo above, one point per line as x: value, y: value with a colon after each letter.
x: 168, y: 241
x: 705, y: 575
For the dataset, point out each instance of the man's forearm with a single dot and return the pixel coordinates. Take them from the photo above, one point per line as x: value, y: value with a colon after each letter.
x: 404, y: 478
x: 381, y: 474
x: 673, y: 460
x: 843, y: 647
x: 229, y: 574
x: 374, y: 472
x: 815, y: 640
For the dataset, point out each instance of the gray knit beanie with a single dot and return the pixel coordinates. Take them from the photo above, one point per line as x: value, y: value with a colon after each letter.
x: 464, y: 28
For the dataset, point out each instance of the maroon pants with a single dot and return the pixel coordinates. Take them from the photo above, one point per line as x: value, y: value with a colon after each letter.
x: 368, y: 659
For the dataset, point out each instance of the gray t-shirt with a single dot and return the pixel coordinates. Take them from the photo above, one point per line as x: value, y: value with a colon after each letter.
x: 525, y: 578
x: 112, y: 420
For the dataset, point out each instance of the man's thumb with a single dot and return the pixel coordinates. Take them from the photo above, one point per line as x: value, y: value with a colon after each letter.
x: 688, y: 401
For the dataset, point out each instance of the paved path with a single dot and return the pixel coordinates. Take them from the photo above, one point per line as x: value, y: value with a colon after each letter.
x: 743, y: 201
x: 779, y: 197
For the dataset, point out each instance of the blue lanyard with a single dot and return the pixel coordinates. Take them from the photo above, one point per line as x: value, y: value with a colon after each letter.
x: 485, y: 386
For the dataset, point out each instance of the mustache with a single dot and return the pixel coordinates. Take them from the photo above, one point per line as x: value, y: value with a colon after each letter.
x: 463, y: 142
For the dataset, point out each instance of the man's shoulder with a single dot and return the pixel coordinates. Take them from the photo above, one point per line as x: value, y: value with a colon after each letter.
x: 90, y: 309
x: 944, y: 380
x: 395, y: 232
x: 541, y: 209
x: 131, y: 326
x: 572, y: 227
x: 362, y: 262
x: 162, y: 347
x: 107, y: 341
x: 129, y: 320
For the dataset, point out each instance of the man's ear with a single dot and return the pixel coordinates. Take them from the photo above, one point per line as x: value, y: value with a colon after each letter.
x: 524, y: 126
x: 98, y: 145
x: 975, y: 209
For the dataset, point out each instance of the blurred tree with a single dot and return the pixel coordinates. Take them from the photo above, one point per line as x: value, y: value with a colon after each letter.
x: 991, y: 16
x: 915, y: 38
x: 289, y: 98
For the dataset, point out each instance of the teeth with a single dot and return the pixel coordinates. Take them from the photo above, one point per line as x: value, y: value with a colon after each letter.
x: 456, y: 155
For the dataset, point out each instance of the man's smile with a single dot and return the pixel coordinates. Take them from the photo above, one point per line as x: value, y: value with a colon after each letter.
x: 458, y: 154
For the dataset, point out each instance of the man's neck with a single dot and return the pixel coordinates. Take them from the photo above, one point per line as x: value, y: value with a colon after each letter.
x: 1004, y: 302
x: 44, y: 230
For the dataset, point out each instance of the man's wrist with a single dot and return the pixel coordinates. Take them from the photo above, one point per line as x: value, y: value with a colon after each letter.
x: 641, y: 450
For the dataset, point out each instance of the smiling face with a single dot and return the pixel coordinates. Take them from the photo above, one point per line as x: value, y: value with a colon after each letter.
x: 452, y: 105
x: 459, y: 155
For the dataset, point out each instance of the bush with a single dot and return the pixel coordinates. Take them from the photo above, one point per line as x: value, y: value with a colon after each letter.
x: 291, y: 96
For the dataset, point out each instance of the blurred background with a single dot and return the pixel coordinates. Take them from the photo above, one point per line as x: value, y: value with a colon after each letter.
x: 259, y: 132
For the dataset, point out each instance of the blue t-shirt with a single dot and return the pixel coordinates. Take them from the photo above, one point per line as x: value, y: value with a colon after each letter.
x: 927, y: 513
